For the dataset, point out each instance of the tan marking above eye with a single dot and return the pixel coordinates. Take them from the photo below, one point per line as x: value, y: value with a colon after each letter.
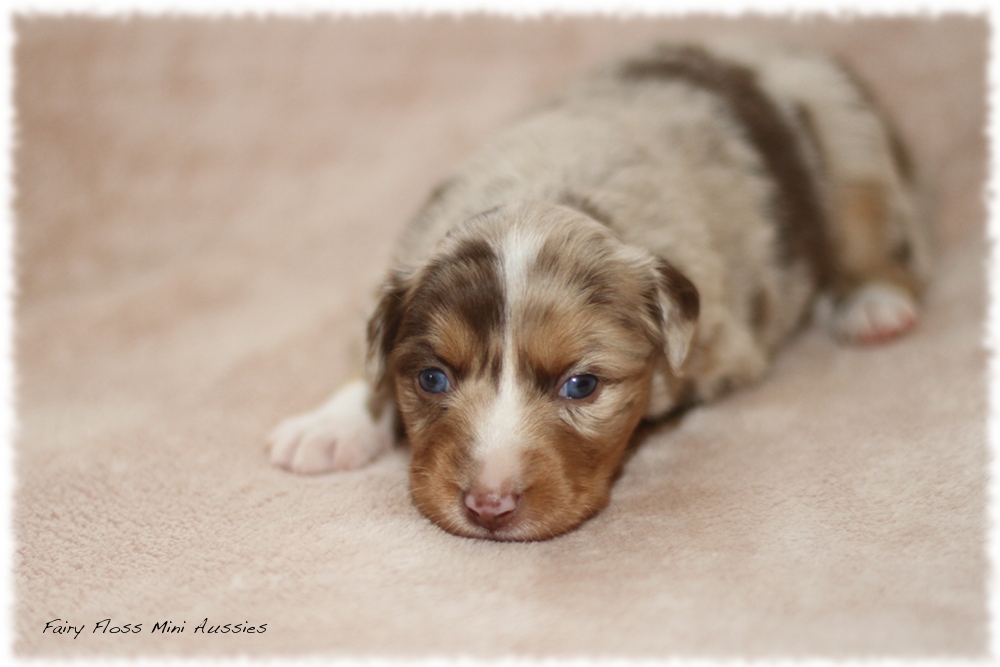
x: 455, y: 344
x: 578, y: 342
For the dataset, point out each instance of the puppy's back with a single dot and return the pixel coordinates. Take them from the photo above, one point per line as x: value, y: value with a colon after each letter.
x: 763, y: 173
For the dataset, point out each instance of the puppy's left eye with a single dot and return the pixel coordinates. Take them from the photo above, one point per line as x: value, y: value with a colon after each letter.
x: 579, y: 386
x: 433, y: 381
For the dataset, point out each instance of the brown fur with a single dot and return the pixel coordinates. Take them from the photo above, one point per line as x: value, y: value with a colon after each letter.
x: 796, y: 202
x: 575, y: 311
x: 863, y: 253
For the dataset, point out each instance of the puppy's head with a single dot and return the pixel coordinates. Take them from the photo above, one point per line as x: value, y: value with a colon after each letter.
x: 520, y: 357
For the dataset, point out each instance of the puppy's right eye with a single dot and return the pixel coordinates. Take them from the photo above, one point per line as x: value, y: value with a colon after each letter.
x: 433, y: 381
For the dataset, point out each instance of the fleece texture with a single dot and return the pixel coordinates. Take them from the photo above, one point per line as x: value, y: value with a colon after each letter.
x: 203, y: 210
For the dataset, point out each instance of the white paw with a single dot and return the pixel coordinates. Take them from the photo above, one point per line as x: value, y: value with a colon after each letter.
x: 339, y: 435
x: 875, y: 313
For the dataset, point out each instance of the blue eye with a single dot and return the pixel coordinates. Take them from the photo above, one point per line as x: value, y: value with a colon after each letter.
x: 579, y: 386
x: 433, y: 381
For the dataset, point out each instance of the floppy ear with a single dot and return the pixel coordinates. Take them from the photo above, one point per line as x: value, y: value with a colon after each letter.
x: 383, y: 326
x: 676, y: 310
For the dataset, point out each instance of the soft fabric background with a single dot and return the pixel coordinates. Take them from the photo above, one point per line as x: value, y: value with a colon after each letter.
x: 203, y: 209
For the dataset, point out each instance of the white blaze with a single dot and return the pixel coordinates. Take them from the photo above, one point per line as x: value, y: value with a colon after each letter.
x: 499, y: 438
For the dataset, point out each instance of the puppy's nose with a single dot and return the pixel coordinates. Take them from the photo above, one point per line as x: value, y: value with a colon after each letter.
x: 490, y: 508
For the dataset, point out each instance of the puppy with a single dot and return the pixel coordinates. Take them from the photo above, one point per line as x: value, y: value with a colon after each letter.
x: 641, y: 243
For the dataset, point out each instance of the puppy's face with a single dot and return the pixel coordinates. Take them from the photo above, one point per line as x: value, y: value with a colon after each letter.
x: 520, y: 357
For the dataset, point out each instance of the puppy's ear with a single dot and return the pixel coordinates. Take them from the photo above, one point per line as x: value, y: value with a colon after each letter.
x: 675, y: 310
x: 384, y: 325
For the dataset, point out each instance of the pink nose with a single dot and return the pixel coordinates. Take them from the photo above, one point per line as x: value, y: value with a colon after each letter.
x: 489, y: 508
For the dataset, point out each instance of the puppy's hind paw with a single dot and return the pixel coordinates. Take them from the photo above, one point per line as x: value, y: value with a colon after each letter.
x: 339, y: 435
x: 875, y: 313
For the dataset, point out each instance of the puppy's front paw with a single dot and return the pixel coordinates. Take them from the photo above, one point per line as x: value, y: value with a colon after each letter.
x: 339, y: 435
x: 875, y: 313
